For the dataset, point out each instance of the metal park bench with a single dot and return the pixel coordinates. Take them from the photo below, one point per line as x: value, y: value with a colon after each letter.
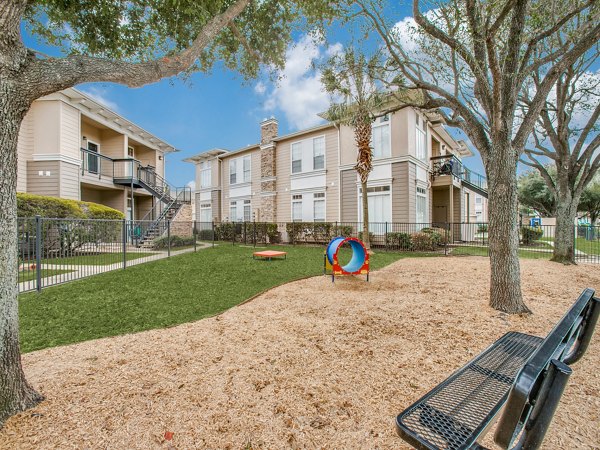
x: 523, y: 374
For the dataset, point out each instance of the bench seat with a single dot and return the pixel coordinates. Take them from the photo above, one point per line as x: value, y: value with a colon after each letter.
x: 455, y: 413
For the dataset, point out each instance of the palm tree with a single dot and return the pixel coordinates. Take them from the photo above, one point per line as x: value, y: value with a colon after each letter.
x: 351, y: 78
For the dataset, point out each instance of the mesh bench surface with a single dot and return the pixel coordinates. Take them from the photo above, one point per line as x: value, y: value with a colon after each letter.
x: 454, y: 414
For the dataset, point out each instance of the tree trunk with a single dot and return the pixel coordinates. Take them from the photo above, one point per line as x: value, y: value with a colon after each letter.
x: 365, y: 214
x: 503, y: 233
x: 15, y: 393
x: 564, y: 233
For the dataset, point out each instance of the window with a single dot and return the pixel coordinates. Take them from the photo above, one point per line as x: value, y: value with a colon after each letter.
x: 247, y: 211
x: 478, y: 200
x: 421, y: 143
x: 233, y: 211
x: 319, y: 207
x: 232, y: 172
x: 297, y: 157
x: 246, y: 163
x: 205, y: 174
x: 296, y: 208
x: 240, y: 170
x: 380, y: 139
x: 421, y: 207
x: 205, y: 213
x: 380, y: 211
x: 318, y: 153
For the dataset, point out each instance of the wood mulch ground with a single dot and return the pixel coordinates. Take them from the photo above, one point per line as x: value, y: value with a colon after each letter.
x: 307, y: 365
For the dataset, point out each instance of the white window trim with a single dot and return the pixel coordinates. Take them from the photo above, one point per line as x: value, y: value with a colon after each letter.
x: 240, y: 174
x: 387, y: 123
x: 310, y: 164
x: 324, y: 200
x: 426, y: 197
x: 370, y: 194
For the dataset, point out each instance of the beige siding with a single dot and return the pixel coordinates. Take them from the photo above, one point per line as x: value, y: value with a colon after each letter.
x: 25, y: 149
x: 70, y: 132
x: 43, y: 184
x: 115, y: 199
x: 112, y: 144
x: 403, y: 132
x: 216, y: 205
x: 159, y: 163
x: 254, y: 179
x: 143, y: 205
x: 69, y: 181
x: 283, y: 185
x: 348, y: 146
x: 332, y: 212
x: 46, y: 128
x: 91, y: 195
x: 349, y: 196
x: 403, y: 192
x: 91, y: 133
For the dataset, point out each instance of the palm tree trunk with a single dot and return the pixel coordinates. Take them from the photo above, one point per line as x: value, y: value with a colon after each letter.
x: 365, y: 214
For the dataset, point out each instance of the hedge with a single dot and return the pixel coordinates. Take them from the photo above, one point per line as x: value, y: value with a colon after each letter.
x: 176, y: 241
x: 530, y: 234
x: 31, y: 205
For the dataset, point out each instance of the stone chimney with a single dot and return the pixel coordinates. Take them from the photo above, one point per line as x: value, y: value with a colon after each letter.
x: 268, y: 130
x: 268, y: 180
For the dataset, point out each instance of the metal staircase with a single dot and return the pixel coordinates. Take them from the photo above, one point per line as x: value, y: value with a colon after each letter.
x: 131, y: 173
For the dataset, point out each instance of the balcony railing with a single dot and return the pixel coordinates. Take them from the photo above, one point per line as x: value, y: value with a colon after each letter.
x: 451, y: 165
x: 129, y: 170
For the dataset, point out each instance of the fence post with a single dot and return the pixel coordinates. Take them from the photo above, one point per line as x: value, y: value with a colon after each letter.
x: 38, y: 253
x: 168, y: 238
x: 213, y: 233
x: 386, y: 236
x: 124, y: 243
x: 194, y: 235
x: 254, y: 233
x: 447, y: 227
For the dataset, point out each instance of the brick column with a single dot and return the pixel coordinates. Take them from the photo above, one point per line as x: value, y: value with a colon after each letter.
x: 268, y: 194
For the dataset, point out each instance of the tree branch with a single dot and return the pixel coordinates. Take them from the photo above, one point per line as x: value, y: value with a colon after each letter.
x: 51, y: 75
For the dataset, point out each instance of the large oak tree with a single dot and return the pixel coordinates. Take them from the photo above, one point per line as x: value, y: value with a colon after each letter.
x: 129, y: 42
x: 472, y: 59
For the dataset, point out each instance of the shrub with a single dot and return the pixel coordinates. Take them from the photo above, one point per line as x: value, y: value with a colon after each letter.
x: 273, y: 233
x: 342, y: 230
x: 400, y: 240
x: 176, y: 241
x: 422, y: 241
x: 482, y: 228
x: 371, y: 236
x: 224, y: 231
x: 530, y: 234
x: 438, y: 235
x: 30, y: 205
x: 205, y: 235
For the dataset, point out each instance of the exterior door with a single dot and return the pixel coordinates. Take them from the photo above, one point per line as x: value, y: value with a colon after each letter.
x: 129, y: 166
x: 92, y: 159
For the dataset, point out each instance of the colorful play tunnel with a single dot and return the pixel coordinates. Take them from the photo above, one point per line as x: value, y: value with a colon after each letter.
x: 358, y: 264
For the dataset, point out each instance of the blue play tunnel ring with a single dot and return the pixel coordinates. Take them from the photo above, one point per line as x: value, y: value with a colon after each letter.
x: 359, y: 254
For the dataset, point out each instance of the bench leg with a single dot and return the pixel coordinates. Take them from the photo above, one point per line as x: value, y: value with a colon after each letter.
x: 541, y: 416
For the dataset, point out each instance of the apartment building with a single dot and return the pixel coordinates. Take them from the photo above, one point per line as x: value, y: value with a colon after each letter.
x: 418, y: 176
x: 72, y: 147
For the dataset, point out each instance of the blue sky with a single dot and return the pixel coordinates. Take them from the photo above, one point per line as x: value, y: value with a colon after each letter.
x: 219, y: 110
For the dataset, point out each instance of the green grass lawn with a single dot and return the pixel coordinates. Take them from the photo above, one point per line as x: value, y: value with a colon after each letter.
x: 161, y: 293
x: 100, y: 259
x: 29, y: 275
x: 589, y: 247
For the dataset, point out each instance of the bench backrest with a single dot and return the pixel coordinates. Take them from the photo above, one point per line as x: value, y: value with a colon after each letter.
x: 539, y: 385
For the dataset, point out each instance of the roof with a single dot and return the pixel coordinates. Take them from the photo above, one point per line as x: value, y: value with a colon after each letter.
x: 86, y: 103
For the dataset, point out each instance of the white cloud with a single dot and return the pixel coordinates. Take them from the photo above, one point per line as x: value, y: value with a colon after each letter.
x: 299, y: 93
x: 260, y: 88
x: 192, y: 185
x: 100, y: 95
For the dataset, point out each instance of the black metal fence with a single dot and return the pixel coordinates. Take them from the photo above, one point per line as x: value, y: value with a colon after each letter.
x: 54, y: 251
x: 444, y: 238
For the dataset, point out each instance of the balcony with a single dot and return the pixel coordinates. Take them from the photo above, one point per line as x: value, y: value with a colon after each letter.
x: 131, y: 173
x: 451, y: 166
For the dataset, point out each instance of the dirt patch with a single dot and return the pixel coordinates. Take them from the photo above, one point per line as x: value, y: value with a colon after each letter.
x: 307, y: 365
